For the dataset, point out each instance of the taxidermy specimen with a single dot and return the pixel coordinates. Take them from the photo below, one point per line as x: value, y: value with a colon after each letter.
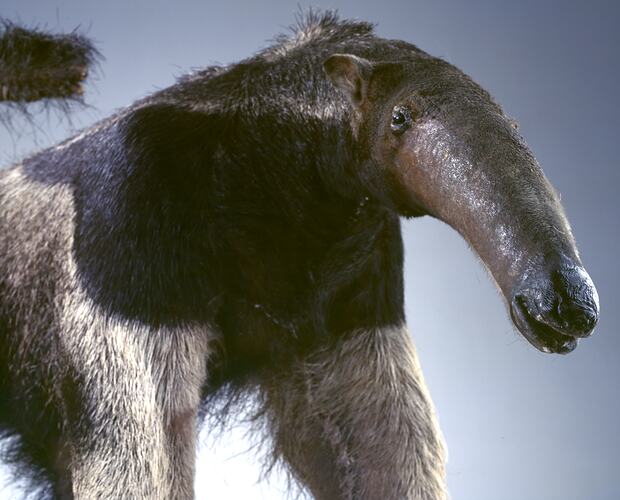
x: 239, y: 233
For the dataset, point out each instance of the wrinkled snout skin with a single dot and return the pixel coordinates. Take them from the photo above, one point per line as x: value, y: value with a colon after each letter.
x: 462, y: 160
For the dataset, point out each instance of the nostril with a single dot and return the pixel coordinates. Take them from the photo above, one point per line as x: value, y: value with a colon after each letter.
x: 578, y: 318
x: 523, y: 304
x: 577, y: 307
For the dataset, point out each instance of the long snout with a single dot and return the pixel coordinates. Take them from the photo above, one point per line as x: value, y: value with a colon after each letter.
x: 480, y: 178
x: 556, y: 307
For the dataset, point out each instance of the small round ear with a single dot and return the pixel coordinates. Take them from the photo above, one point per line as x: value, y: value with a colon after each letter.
x: 350, y: 74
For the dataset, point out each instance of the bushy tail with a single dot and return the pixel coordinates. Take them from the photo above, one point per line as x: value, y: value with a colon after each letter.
x: 36, y: 65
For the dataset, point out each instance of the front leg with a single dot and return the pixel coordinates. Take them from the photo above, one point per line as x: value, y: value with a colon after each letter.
x: 131, y: 431
x: 355, y: 421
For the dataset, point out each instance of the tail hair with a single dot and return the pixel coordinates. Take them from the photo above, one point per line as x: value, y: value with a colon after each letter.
x: 37, y: 65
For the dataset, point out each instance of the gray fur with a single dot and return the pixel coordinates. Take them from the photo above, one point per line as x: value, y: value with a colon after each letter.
x: 143, y: 386
x: 362, y: 405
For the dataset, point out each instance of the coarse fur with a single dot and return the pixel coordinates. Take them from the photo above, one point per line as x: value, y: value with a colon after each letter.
x: 239, y: 231
x: 36, y: 65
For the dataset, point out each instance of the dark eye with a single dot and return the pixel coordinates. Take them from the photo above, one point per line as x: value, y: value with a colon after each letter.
x: 401, y: 119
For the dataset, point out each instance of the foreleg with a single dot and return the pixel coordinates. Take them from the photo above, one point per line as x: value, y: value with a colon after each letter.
x: 131, y: 412
x: 355, y: 421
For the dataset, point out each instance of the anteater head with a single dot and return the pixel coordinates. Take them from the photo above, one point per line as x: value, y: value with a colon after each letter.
x: 438, y: 144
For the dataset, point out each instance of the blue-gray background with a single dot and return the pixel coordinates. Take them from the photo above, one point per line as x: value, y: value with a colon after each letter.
x: 519, y: 424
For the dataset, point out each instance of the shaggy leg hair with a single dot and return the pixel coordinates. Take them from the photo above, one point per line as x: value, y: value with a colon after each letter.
x: 135, y: 435
x: 356, y: 421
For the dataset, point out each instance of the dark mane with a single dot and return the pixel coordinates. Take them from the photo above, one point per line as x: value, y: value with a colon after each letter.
x: 318, y: 26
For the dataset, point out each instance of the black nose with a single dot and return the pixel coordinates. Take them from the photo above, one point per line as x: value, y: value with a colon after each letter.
x: 554, y: 309
x: 577, y: 302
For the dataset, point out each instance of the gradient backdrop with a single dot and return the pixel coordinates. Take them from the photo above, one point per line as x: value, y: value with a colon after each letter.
x: 519, y: 424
